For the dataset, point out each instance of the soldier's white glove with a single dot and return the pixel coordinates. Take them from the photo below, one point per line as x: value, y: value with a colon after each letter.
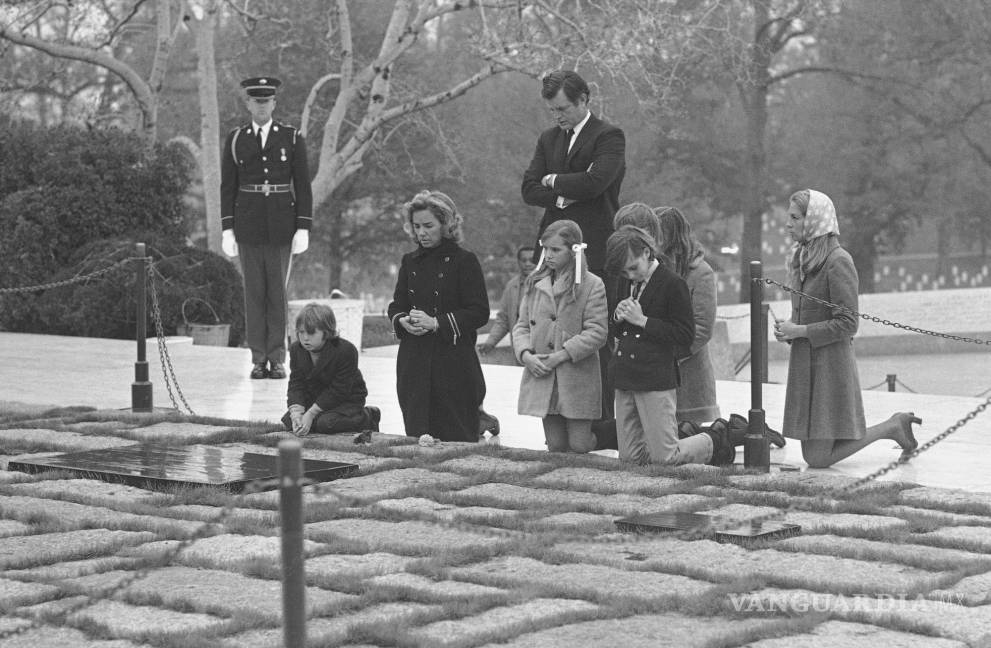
x: 300, y: 241
x: 228, y: 244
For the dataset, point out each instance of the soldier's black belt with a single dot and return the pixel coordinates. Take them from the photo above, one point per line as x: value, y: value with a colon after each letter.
x: 266, y: 188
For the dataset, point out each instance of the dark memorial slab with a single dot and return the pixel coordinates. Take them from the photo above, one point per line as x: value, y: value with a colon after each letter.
x: 698, y: 523
x: 157, y: 466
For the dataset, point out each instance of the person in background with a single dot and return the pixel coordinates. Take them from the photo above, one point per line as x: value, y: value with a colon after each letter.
x: 561, y: 327
x: 823, y: 404
x: 439, y: 303
x: 266, y: 208
x: 697, y: 392
x: 509, y: 303
x: 649, y: 325
x: 326, y: 391
x: 505, y: 319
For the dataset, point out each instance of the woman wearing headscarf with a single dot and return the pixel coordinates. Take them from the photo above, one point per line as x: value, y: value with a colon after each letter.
x: 823, y: 404
x: 439, y: 302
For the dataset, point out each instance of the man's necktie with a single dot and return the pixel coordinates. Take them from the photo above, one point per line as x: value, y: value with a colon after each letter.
x: 568, y: 134
x: 258, y: 136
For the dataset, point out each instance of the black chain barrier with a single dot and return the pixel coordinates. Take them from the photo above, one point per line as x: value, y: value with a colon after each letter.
x: 165, y: 360
x: 71, y: 280
x: 872, y: 318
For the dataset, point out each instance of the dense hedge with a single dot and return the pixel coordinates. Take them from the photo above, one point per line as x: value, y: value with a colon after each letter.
x: 74, y: 200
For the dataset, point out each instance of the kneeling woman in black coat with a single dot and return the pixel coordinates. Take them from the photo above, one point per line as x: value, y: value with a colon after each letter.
x: 439, y: 302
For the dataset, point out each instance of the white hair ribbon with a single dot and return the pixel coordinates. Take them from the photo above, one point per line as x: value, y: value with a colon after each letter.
x: 577, y: 249
x: 540, y: 261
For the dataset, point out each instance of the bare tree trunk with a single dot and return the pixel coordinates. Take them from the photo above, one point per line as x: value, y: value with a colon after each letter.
x: 334, y: 215
x: 204, y: 26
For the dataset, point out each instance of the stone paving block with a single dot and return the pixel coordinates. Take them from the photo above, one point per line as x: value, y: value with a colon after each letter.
x: 447, y: 512
x: 975, y: 538
x: 99, y: 427
x: 725, y: 562
x: 181, y: 433
x: 947, y: 499
x: 13, y: 527
x: 518, y: 497
x: 968, y: 624
x: 843, y: 634
x: 353, y: 491
x: 481, y: 464
x: 642, y: 631
x: 14, y: 593
x: 427, y: 587
x: 138, y: 621
x: 937, y: 517
x: 231, y: 551
x: 57, y: 440
x: 212, y: 591
x: 779, y: 499
x: 26, y: 551
x: 606, y: 481
x: 70, y: 514
x: 11, y: 476
x: 584, y: 522
x: 972, y: 590
x: 348, y: 567
x: 334, y: 630
x: 597, y: 582
x: 50, y: 637
x: 204, y: 513
x: 411, y: 536
x: 72, y: 568
x: 813, y: 482
x: 845, y: 522
x: 916, y: 555
x: 497, y: 622
x: 84, y: 491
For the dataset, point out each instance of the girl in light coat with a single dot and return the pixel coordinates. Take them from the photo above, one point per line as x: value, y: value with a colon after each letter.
x: 562, y: 325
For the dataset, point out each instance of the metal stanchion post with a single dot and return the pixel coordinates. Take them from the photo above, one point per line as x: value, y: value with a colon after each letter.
x: 756, y: 451
x: 891, y: 379
x: 141, y: 394
x: 291, y: 513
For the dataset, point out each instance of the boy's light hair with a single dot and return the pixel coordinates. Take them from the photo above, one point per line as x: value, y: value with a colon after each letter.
x: 317, y: 317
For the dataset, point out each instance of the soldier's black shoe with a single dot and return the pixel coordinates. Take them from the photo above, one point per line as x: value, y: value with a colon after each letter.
x: 487, y: 423
x: 372, y: 417
x: 260, y: 370
x: 278, y: 371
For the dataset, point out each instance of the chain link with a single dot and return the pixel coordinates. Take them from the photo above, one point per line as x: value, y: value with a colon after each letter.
x: 67, y: 282
x: 872, y: 318
x: 165, y: 360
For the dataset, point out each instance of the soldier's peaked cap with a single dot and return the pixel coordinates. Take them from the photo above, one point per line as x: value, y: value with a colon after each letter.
x: 260, y: 86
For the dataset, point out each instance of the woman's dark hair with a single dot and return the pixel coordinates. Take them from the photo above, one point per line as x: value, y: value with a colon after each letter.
x: 679, y: 246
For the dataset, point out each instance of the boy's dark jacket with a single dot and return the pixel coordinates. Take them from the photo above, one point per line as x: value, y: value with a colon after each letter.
x: 646, y: 359
x: 334, y: 380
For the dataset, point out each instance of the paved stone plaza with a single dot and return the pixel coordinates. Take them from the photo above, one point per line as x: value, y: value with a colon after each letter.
x: 477, y: 545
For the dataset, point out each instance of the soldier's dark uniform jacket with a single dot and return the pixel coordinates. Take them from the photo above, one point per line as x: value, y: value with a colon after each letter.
x: 256, y: 216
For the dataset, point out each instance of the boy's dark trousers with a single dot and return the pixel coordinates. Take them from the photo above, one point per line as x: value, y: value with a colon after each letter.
x: 349, y: 417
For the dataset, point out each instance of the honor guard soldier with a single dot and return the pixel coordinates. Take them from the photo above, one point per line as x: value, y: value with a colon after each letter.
x: 267, y: 209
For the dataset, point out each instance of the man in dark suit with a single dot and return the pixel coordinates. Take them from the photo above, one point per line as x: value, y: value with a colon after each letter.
x: 578, y: 166
x: 266, y: 212
x: 576, y: 173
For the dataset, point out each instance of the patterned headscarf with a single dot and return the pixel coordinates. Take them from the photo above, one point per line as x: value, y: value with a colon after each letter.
x: 809, y: 253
